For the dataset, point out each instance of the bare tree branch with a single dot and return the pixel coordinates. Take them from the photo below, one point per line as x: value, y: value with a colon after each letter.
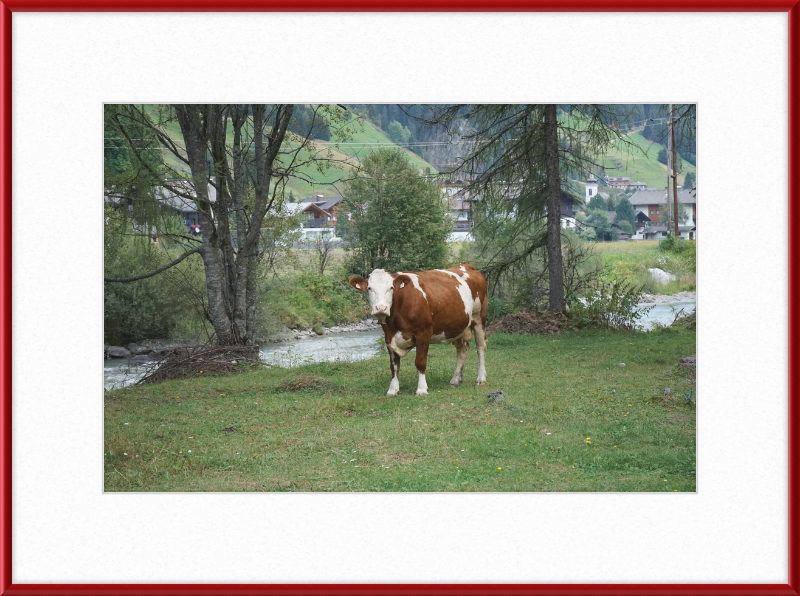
x: 196, y: 249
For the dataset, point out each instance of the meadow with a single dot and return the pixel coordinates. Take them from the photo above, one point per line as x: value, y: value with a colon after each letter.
x: 585, y: 410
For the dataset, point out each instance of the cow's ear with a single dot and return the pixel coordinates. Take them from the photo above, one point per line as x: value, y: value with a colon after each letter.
x: 359, y: 283
x: 400, y: 281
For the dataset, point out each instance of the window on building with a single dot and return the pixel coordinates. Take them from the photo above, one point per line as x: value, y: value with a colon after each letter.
x: 590, y: 192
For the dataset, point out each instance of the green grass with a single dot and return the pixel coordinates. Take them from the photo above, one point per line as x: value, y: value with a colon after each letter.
x: 574, y: 421
x: 630, y: 261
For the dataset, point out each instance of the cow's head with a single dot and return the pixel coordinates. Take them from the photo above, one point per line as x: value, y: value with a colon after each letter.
x: 381, y: 286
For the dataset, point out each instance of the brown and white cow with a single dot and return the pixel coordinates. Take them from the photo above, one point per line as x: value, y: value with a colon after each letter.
x: 416, y: 309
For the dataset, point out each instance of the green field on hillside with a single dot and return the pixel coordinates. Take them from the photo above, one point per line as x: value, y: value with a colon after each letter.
x: 323, y: 166
x: 640, y: 163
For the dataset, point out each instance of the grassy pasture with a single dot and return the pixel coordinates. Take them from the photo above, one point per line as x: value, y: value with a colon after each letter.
x: 574, y: 420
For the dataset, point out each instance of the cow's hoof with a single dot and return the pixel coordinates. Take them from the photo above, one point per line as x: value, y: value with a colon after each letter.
x: 421, y: 392
x: 455, y: 382
x: 390, y: 392
x: 479, y: 382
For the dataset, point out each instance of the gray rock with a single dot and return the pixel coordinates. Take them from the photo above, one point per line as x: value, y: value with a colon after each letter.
x: 138, y: 349
x: 117, y: 352
x: 164, y: 345
x: 661, y: 276
x: 496, y: 396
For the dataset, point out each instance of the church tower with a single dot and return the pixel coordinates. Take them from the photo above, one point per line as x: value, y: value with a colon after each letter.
x: 591, y: 188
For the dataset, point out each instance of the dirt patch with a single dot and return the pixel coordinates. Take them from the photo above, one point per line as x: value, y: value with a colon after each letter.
x: 402, y: 458
x: 533, y: 323
x: 311, y: 382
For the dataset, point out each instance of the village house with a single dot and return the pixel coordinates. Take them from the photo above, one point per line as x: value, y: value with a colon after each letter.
x: 319, y: 215
x: 651, y: 221
x: 461, y: 203
x: 618, y: 182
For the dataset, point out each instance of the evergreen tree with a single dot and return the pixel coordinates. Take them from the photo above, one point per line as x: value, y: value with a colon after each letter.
x: 524, y: 153
x: 625, y: 212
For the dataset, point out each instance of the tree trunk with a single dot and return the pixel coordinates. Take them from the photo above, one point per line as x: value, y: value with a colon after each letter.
x: 554, y: 257
x: 195, y: 136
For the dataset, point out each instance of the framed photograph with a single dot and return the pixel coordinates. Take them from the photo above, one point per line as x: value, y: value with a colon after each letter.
x: 76, y: 520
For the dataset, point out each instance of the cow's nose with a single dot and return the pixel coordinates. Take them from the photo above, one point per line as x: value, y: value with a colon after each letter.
x: 381, y: 309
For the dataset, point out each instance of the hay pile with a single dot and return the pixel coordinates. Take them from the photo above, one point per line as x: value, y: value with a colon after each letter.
x: 202, y: 361
x: 534, y: 323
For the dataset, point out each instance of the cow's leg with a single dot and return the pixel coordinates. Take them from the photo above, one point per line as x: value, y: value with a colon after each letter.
x: 394, y: 366
x: 422, y: 363
x: 462, y: 349
x: 480, y: 340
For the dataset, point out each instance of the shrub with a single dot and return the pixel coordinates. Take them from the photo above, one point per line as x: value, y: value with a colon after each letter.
x: 308, y: 300
x: 609, y: 305
x: 163, y: 306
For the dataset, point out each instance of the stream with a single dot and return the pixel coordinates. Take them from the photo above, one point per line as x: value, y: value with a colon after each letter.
x: 347, y: 346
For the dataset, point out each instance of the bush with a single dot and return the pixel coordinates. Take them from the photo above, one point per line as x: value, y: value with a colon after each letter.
x: 609, y: 305
x: 307, y: 300
x: 167, y: 305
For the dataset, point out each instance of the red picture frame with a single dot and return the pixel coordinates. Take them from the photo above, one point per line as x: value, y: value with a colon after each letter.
x: 8, y: 7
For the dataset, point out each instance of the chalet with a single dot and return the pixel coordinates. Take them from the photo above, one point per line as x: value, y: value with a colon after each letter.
x: 618, y: 182
x: 318, y: 215
x: 648, y: 205
x: 650, y: 201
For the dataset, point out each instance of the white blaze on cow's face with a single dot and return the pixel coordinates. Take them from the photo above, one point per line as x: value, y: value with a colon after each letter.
x: 380, y: 288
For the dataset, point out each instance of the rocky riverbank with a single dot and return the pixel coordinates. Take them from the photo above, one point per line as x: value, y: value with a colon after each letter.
x: 293, y: 334
x: 656, y: 299
x: 147, y: 349
x: 152, y: 349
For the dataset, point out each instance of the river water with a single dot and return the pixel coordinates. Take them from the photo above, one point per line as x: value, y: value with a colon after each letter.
x: 348, y: 346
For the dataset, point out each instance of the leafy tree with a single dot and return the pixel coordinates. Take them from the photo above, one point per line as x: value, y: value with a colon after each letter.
x: 603, y: 229
x: 233, y: 168
x: 610, y: 204
x: 597, y: 203
x: 399, y: 220
x: 154, y: 307
x: 689, y: 181
x: 625, y: 212
x: 662, y: 155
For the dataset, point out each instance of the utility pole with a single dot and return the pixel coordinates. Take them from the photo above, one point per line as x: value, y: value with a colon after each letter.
x: 674, y: 170
x: 669, y: 178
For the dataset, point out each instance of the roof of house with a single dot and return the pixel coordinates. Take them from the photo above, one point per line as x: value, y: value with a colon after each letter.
x: 324, y: 203
x: 659, y: 197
